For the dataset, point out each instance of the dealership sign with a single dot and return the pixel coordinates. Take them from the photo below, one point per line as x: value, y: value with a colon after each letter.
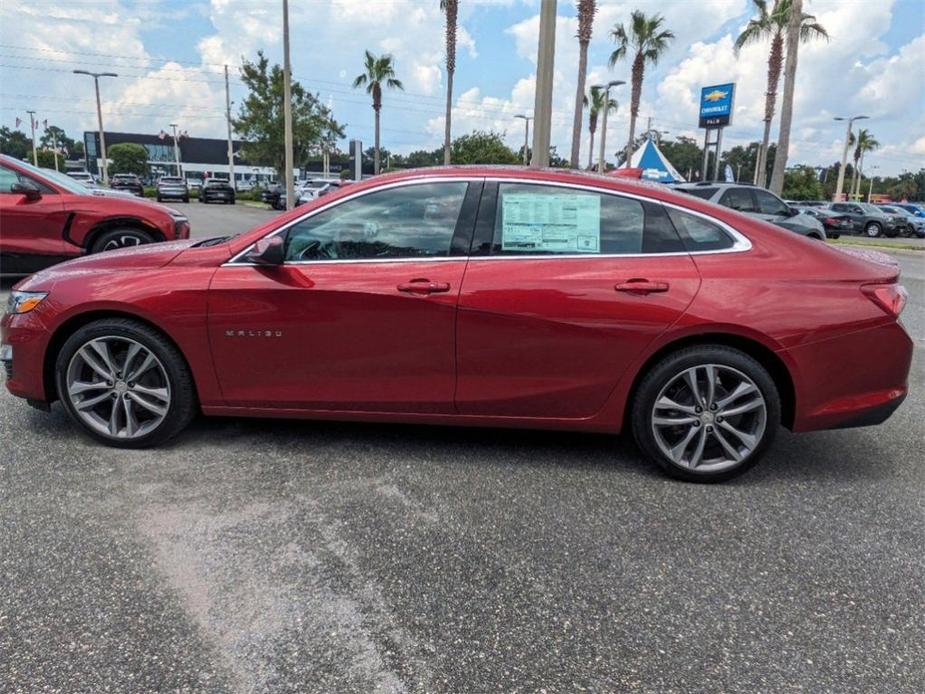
x: 716, y: 104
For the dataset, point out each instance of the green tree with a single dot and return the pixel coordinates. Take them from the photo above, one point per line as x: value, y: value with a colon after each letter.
x: 743, y: 160
x: 14, y: 143
x: 802, y: 183
x: 771, y: 22
x: 586, y: 11
x: 53, y: 134
x: 864, y: 142
x: 422, y: 157
x: 127, y: 157
x: 378, y: 72
x: 46, y: 159
x: 648, y: 42
x: 595, y: 102
x: 685, y: 155
x: 483, y: 147
x: 260, y: 119
x: 451, y: 10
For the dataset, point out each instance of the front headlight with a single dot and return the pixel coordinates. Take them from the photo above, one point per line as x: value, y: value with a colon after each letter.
x: 23, y: 302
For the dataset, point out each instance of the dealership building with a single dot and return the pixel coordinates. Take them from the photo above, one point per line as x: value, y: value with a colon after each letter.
x: 200, y: 157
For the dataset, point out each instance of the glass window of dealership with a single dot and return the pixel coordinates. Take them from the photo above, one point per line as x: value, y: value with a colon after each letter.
x: 200, y: 157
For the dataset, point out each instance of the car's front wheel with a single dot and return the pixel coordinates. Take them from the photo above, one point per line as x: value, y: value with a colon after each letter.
x: 706, y: 413
x: 120, y: 238
x: 124, y: 383
x: 872, y: 230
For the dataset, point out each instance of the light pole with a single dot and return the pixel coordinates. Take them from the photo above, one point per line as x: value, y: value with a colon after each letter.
x: 606, y: 88
x: 870, y: 190
x: 287, y: 109
x: 35, y: 155
x: 176, y: 149
x: 844, y: 155
x: 542, y: 105
x: 527, y: 120
x: 99, y: 117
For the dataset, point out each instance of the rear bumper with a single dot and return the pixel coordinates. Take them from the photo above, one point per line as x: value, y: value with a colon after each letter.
x: 854, y: 380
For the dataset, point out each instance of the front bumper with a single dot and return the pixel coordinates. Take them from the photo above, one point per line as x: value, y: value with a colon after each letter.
x: 24, y: 340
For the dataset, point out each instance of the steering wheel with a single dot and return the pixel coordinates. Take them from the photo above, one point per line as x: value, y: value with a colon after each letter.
x: 316, y: 250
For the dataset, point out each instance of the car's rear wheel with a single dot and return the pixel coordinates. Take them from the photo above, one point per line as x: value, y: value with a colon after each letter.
x: 124, y: 383
x: 872, y: 230
x: 706, y: 413
x: 120, y: 238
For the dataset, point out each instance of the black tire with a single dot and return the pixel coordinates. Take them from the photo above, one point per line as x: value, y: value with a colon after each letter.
x: 183, y: 403
x: 834, y: 236
x: 660, y: 375
x: 124, y: 237
x: 892, y: 234
x: 872, y: 230
x: 186, y: 199
x: 231, y: 202
x: 160, y: 199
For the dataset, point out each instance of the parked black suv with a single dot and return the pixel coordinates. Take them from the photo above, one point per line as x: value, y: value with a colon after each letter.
x: 216, y: 190
x: 127, y: 182
x: 868, y: 219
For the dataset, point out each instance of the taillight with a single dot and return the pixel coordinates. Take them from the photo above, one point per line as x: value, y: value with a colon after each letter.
x: 890, y: 297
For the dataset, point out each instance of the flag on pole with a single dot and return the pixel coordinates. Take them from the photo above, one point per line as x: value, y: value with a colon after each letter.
x: 45, y: 124
x: 18, y: 122
x: 161, y: 135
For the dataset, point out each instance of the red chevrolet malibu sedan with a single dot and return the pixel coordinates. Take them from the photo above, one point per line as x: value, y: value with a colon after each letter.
x: 47, y: 217
x: 476, y: 296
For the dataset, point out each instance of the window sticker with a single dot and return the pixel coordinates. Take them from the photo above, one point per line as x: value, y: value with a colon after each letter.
x: 551, y: 223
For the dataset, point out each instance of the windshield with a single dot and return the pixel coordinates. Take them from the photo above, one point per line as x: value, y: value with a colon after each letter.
x: 61, y: 180
x: 869, y: 208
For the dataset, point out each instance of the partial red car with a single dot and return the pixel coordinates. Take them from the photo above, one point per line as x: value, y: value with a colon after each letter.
x: 477, y: 296
x: 47, y: 217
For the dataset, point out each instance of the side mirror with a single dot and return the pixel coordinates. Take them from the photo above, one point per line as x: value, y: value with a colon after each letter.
x: 792, y: 211
x: 267, y: 251
x: 27, y: 188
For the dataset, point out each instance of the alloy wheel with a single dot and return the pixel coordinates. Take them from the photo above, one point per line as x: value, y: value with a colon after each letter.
x: 122, y: 241
x: 709, y: 418
x: 872, y: 230
x: 118, y: 387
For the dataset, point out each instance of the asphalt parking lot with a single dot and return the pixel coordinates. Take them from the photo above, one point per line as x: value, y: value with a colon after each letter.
x: 262, y: 556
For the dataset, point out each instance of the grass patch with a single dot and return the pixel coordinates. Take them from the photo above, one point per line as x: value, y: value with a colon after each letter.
x: 899, y: 246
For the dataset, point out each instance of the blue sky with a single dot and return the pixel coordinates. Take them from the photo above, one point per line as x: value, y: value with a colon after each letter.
x: 169, y: 57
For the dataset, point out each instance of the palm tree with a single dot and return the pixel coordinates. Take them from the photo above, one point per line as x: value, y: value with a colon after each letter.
x: 586, y: 12
x: 596, y: 103
x: 864, y: 142
x: 379, y: 72
x: 451, y: 8
x: 648, y: 41
x: 773, y: 23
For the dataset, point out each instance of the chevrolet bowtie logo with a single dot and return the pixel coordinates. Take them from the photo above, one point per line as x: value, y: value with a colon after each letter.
x: 715, y: 95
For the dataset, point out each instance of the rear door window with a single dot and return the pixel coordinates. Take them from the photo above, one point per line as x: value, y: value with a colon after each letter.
x: 535, y: 219
x: 739, y: 199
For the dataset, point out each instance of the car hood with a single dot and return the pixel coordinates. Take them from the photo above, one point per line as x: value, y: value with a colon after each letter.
x: 148, y: 256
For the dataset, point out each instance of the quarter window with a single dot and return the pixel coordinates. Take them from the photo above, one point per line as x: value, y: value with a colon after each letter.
x: 415, y: 221
x: 699, y: 234
x: 549, y: 220
x: 739, y: 199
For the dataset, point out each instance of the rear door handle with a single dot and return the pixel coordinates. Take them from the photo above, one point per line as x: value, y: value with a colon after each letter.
x: 422, y: 285
x: 638, y: 285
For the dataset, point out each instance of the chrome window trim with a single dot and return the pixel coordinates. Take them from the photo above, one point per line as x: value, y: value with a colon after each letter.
x: 740, y: 244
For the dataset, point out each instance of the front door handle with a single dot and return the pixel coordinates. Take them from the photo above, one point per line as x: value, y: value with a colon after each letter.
x: 422, y: 285
x: 642, y: 286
